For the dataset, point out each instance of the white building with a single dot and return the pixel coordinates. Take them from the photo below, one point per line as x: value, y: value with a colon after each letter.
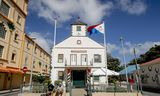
x: 77, y: 56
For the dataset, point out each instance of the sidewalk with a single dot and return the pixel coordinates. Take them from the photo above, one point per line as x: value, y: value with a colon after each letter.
x: 116, y: 94
x: 7, y: 91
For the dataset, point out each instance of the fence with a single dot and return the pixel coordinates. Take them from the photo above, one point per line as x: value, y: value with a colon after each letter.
x: 35, y: 88
x: 118, y: 87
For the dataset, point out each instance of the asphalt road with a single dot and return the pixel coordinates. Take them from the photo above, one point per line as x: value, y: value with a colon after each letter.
x: 146, y: 93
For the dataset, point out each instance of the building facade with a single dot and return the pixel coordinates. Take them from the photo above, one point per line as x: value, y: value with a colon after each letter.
x: 14, y: 51
x: 150, y: 74
x: 77, y: 57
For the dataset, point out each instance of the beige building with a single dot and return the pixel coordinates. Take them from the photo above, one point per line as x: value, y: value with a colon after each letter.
x: 16, y: 48
x: 150, y: 74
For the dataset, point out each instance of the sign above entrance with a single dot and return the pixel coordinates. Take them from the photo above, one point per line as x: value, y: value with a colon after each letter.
x: 79, y: 51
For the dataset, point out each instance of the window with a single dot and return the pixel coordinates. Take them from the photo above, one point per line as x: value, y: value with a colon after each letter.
x: 19, y: 20
x: 60, y: 58
x: 26, y: 60
x: 60, y: 75
x: 40, y: 64
x: 13, y: 58
x: 34, y: 64
x: 1, y: 51
x: 4, y: 8
x: 78, y: 28
x: 2, y: 31
x: 96, y: 78
x: 97, y: 58
x: 16, y: 37
x: 28, y: 42
x: 35, y: 50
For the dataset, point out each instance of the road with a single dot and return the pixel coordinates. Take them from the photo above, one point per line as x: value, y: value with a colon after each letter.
x: 146, y: 93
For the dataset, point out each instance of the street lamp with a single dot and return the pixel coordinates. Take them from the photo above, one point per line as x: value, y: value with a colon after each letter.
x: 124, y: 60
x: 138, y: 74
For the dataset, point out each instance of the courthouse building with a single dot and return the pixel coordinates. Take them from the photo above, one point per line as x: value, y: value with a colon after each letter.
x: 77, y: 56
x: 17, y: 50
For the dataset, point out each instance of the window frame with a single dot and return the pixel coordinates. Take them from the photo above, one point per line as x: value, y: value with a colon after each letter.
x: 97, y: 61
x: 78, y: 28
x: 60, y: 59
x: 2, y: 10
x: 3, y: 35
x: 19, y: 18
x: 96, y: 79
x: 61, y: 77
x: 13, y: 57
x: 1, y: 52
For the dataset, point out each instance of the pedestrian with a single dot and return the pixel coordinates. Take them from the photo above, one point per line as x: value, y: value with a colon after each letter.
x: 50, y: 89
x: 131, y: 82
x: 59, y: 91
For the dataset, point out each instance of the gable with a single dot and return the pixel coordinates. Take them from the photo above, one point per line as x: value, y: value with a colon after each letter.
x: 78, y: 42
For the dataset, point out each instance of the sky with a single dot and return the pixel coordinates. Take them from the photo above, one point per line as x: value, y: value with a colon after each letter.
x: 137, y: 21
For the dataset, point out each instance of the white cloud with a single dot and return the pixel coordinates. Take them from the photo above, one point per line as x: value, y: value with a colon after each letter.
x: 140, y: 48
x: 112, y: 47
x: 133, y: 6
x: 90, y: 11
x: 44, y: 42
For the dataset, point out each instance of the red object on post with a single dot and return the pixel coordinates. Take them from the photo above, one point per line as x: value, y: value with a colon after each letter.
x: 88, y: 70
x: 68, y: 70
x: 25, y: 69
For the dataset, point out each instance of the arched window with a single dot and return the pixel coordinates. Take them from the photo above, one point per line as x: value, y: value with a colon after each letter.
x: 2, y: 31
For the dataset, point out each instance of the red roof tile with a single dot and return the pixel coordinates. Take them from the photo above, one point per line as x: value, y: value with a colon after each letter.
x: 151, y: 62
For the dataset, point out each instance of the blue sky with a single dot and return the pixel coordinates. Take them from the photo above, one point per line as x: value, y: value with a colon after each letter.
x: 138, y: 21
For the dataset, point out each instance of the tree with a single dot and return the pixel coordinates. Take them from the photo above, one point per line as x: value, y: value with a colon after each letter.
x: 151, y: 54
x: 113, y: 63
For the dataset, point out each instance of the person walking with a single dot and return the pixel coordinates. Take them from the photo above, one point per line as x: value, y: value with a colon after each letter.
x: 59, y: 91
x: 50, y: 89
x: 131, y: 82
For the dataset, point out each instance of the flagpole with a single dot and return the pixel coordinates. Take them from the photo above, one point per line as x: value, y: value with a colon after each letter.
x: 105, y: 45
x: 55, y: 23
x: 54, y: 41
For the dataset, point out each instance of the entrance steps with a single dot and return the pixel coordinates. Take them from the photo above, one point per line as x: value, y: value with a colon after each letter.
x: 78, y: 92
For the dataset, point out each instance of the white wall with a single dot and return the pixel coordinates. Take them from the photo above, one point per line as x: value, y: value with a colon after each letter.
x: 67, y: 52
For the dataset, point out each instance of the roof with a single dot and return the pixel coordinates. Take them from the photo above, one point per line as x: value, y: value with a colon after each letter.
x: 102, y: 72
x: 78, y: 22
x: 151, y: 62
x: 130, y: 69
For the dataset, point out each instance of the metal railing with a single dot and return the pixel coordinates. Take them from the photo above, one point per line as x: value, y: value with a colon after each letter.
x: 121, y: 87
x: 35, y: 88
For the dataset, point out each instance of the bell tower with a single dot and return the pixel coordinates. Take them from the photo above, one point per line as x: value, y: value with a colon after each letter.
x: 79, y: 28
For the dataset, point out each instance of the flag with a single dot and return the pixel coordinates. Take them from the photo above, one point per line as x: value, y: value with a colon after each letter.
x: 99, y: 28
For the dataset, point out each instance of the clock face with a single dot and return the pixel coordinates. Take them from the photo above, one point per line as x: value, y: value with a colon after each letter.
x: 78, y: 41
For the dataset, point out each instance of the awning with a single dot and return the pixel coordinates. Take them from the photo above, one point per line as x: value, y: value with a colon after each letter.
x: 102, y: 72
x: 8, y: 70
x: 4, y: 70
x: 15, y: 71
x: 130, y: 70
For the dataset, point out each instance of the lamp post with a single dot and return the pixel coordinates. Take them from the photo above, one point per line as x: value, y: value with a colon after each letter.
x: 124, y: 60
x: 138, y: 74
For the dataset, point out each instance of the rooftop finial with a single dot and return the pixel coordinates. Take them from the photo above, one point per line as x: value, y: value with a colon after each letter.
x: 78, y: 18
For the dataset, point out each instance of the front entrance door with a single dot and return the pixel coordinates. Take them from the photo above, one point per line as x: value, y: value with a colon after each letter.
x: 78, y: 78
